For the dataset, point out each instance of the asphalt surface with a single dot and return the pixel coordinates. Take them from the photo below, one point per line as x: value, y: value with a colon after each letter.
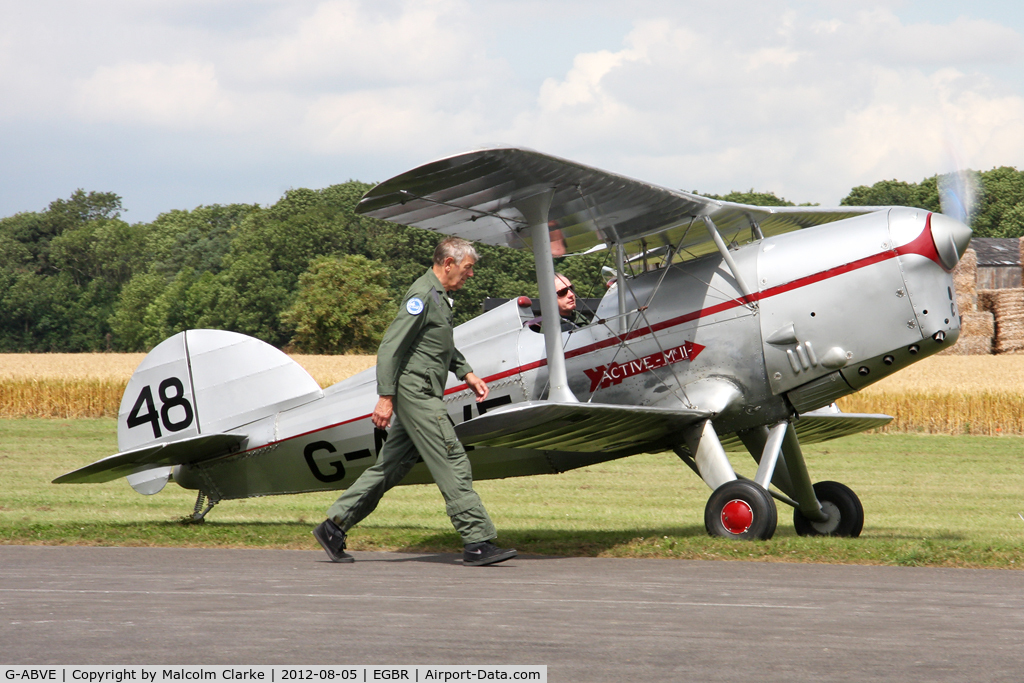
x: 587, y: 619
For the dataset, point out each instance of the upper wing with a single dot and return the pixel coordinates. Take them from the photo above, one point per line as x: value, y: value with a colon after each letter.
x: 473, y: 196
x: 577, y: 427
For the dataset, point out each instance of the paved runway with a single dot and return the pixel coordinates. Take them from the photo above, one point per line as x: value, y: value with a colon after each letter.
x: 587, y: 619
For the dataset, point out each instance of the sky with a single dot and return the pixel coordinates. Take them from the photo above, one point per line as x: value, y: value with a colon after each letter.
x: 174, y: 104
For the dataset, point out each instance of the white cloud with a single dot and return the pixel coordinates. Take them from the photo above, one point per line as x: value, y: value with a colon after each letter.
x: 338, y: 43
x: 161, y: 95
x: 881, y: 36
x: 788, y: 103
x: 582, y: 85
x: 403, y: 120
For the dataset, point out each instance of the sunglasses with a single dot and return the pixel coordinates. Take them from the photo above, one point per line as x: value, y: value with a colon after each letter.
x: 565, y: 290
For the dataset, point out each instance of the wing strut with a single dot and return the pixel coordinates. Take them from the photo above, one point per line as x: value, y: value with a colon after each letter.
x: 535, y: 209
x: 708, y: 455
x: 724, y: 251
x: 770, y: 456
x: 620, y: 278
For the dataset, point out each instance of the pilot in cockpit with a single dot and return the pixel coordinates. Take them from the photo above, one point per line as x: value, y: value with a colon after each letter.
x: 570, y: 316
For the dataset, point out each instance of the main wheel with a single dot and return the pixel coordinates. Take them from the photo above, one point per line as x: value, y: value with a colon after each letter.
x: 841, y: 504
x: 741, y: 509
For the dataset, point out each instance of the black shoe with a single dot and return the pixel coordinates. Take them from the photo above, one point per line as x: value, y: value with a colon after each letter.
x: 333, y: 540
x: 479, y: 554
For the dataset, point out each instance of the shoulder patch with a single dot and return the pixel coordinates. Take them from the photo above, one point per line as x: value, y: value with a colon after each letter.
x: 414, y: 305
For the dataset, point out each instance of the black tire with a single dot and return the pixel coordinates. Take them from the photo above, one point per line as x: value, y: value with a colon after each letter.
x: 846, y: 514
x: 727, y: 511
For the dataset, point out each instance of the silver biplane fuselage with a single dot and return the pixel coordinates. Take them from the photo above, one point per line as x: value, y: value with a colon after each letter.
x: 698, y: 353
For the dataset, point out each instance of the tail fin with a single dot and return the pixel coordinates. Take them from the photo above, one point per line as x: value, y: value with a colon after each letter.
x: 198, y: 383
x: 208, y: 381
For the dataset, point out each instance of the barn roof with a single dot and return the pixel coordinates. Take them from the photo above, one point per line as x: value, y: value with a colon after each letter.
x: 996, y: 252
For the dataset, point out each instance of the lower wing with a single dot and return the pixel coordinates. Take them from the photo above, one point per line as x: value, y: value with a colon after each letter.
x: 578, y: 427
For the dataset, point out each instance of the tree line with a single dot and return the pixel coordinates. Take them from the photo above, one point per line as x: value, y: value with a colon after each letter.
x: 306, y: 274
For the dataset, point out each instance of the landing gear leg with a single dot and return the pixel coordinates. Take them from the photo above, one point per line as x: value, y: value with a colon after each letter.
x: 827, y: 508
x: 756, y: 442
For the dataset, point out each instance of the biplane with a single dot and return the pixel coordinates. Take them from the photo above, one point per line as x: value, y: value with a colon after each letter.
x: 745, y: 326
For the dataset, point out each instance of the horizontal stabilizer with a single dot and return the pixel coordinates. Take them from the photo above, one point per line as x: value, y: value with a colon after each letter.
x: 193, y: 449
x: 576, y: 427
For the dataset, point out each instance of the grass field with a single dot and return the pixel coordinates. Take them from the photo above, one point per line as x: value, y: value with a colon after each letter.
x: 929, y: 500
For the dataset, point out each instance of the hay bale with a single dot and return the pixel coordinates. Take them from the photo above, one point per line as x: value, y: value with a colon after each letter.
x: 982, y: 324
x: 969, y: 346
x: 965, y: 274
x: 1010, y: 333
x: 986, y: 300
x: 965, y: 282
x: 967, y: 302
x: 1013, y: 349
x: 1008, y: 303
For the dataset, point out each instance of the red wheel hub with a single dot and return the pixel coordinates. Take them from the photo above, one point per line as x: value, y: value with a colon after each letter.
x: 737, y: 516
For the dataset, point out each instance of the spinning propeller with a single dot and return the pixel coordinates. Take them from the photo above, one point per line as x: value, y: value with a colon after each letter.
x: 958, y: 194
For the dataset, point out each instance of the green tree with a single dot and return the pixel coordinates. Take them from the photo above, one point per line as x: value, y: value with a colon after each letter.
x: 884, y: 193
x: 997, y: 214
x: 61, y: 270
x: 303, y: 225
x: 102, y: 249
x: 342, y: 306
x: 179, y: 287
x: 198, y: 239
x: 254, y: 294
x: 502, y: 273
x: 1011, y: 223
x: 128, y: 321
x: 750, y: 197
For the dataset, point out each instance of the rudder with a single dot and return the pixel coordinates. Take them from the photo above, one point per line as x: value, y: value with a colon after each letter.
x: 191, y: 399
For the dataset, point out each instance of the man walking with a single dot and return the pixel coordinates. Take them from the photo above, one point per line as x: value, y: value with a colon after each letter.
x: 413, y: 361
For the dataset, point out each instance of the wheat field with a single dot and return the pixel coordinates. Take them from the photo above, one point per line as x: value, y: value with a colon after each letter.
x: 73, y: 385
x: 949, y: 395
x: 939, y: 395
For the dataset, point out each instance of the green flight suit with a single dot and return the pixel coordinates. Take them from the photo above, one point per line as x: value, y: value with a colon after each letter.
x: 413, y: 361
x: 574, y: 320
